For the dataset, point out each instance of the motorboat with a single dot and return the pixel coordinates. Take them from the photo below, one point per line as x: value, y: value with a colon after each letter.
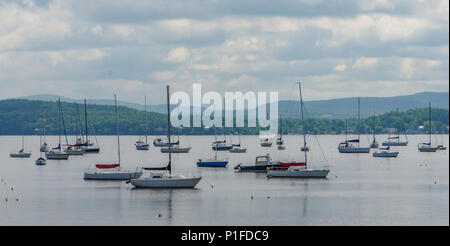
x: 265, y: 142
x: 261, y: 164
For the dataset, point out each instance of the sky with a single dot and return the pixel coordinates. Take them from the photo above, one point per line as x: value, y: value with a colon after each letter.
x: 93, y: 49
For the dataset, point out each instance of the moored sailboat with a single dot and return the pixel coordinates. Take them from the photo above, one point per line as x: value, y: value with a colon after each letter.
x: 348, y: 146
x: 428, y: 147
x: 21, y: 153
x: 160, y: 179
x: 112, y: 171
x: 302, y: 170
x: 140, y: 144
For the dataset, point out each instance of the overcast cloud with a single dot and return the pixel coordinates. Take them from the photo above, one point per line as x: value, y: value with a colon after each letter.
x: 93, y: 49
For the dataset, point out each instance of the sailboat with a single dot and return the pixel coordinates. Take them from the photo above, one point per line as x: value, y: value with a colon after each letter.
x: 237, y: 147
x: 427, y: 147
x: 41, y: 160
x: 348, y: 146
x: 221, y: 145
x: 21, y: 153
x: 88, y: 146
x: 280, y: 141
x: 214, y: 162
x: 441, y: 145
x: 160, y: 142
x: 165, y: 179
x: 391, y: 140
x: 299, y: 171
x: 112, y: 171
x: 141, y: 145
x: 44, y: 146
x: 374, y: 143
x: 56, y: 153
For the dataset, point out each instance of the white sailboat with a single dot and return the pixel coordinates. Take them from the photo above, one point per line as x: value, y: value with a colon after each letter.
x: 112, y: 171
x: 41, y: 160
x: 57, y: 153
x: 391, y: 140
x: 166, y: 179
x: 385, y: 152
x: 301, y: 171
x: 21, y: 153
x: 140, y: 144
x: 428, y: 147
x: 348, y: 146
x: 374, y: 143
x: 237, y: 147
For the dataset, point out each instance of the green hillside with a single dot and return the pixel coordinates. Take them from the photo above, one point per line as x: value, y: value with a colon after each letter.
x: 132, y: 121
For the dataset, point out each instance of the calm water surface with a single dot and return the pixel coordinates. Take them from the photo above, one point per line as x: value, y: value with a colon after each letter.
x: 412, y: 189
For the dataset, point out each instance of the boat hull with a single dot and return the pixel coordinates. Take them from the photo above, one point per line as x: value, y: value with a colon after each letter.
x: 40, y: 162
x: 395, y: 143
x: 74, y: 152
x: 428, y: 149
x: 257, y: 168
x: 56, y: 156
x: 112, y: 175
x: 142, y: 147
x: 165, y: 182
x: 238, y: 150
x: 222, y: 148
x: 385, y: 154
x: 306, y: 173
x: 354, y: 150
x: 175, y: 150
x: 20, y: 155
x: 212, y: 163
x: 266, y: 144
x: 92, y: 150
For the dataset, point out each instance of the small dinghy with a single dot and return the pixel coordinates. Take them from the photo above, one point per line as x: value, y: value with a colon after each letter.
x: 41, y: 161
x: 265, y: 142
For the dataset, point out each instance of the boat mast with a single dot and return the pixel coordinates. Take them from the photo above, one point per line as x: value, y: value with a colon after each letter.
x: 23, y: 132
x: 303, y: 122
x: 359, y: 115
x: 429, y: 120
x: 79, y: 122
x: 146, y: 119
x: 169, y: 166
x: 374, y: 122
x: 117, y: 127
x: 64, y: 125
x: 59, y: 124
x: 86, y: 122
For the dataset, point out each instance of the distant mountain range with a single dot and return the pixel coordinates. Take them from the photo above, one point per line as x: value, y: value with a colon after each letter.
x: 332, y: 109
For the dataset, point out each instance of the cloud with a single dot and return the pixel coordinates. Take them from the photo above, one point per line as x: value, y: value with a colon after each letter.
x: 339, y: 48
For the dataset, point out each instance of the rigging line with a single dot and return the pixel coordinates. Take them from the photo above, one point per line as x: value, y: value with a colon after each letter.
x: 315, y: 136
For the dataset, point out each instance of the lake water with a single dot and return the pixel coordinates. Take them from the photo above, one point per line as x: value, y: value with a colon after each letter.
x: 412, y: 189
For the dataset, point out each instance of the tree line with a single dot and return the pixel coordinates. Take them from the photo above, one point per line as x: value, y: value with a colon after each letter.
x: 30, y: 117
